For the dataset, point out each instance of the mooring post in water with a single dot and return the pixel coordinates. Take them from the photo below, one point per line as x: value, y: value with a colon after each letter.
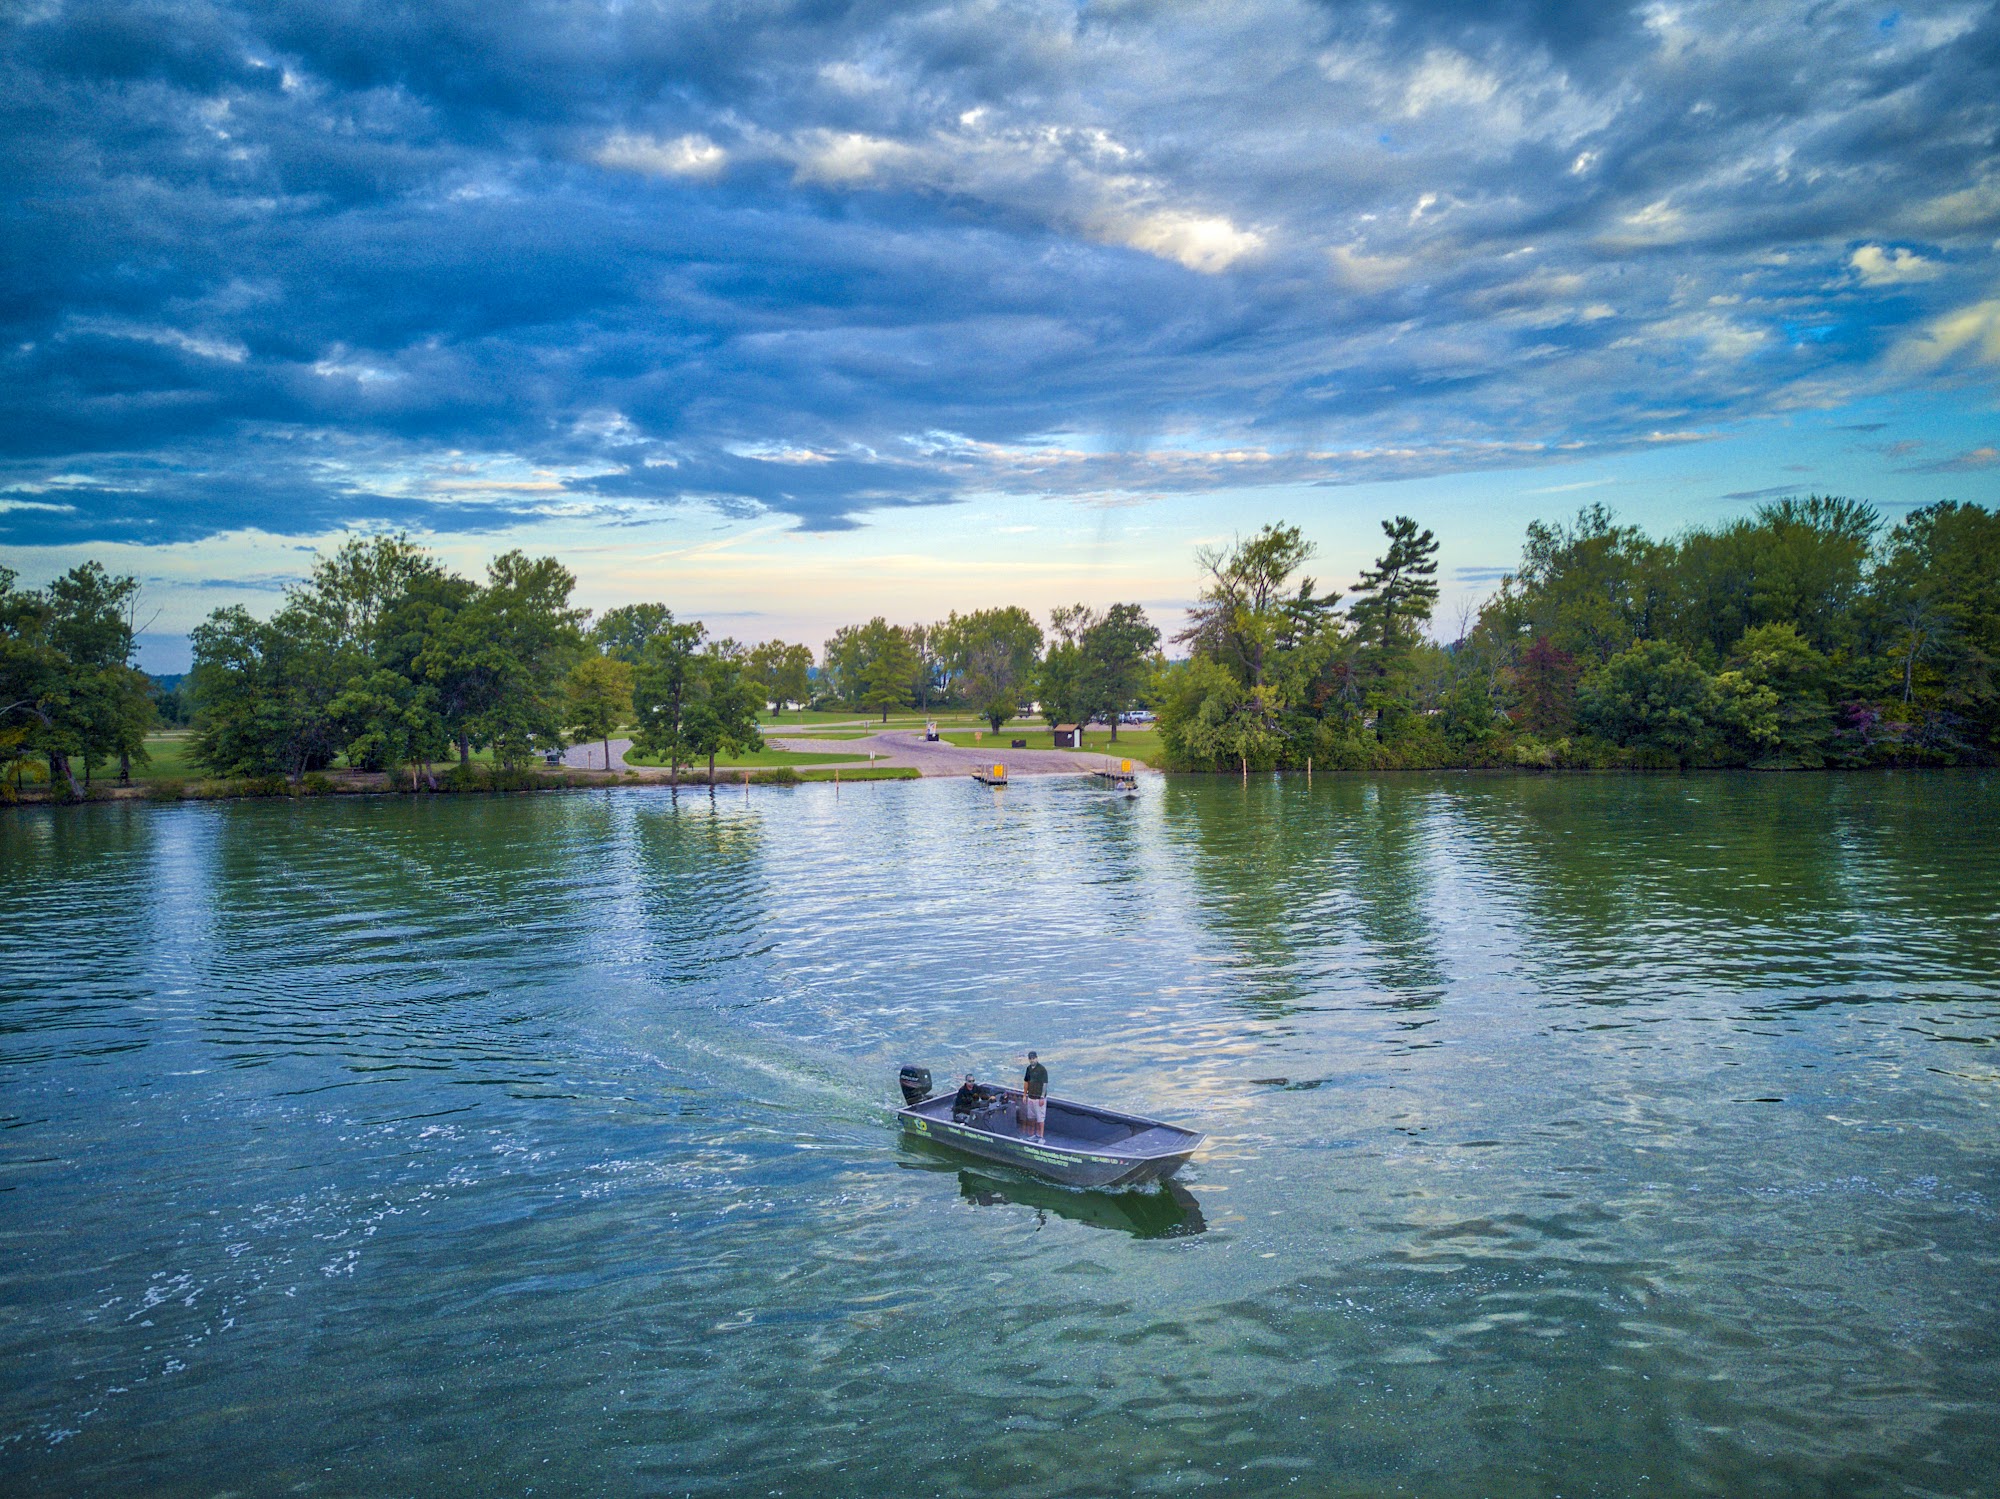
x: 1244, y: 760
x: 746, y: 785
x: 1309, y: 770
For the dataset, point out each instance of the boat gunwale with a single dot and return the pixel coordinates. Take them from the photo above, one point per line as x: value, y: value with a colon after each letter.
x: 1195, y: 1138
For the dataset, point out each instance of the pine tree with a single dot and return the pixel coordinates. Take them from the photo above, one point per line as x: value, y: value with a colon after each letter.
x: 1394, y: 603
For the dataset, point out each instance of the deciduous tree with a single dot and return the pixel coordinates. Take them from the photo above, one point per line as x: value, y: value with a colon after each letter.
x: 1122, y: 646
x: 991, y: 655
x: 664, y: 687
x: 598, y: 694
x: 1651, y: 698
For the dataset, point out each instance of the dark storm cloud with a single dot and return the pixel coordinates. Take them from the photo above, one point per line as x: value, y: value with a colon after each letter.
x: 196, y: 491
x: 459, y: 265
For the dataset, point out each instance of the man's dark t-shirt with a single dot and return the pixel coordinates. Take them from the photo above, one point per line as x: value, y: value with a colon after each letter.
x: 1037, y: 1080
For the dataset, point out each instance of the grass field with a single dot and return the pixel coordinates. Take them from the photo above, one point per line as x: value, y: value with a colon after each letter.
x: 806, y: 718
x: 166, y: 760
x: 831, y: 736
x: 1133, y: 742
x: 809, y: 719
x: 169, y: 760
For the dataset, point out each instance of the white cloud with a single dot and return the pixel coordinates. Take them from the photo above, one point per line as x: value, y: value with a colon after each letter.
x: 693, y: 156
x: 1445, y: 77
x: 1971, y: 334
x: 1205, y: 243
x: 1878, y: 267
x: 1658, y: 223
x: 845, y: 157
x: 202, y: 346
x: 338, y: 365
x: 1364, y: 272
x: 1079, y: 178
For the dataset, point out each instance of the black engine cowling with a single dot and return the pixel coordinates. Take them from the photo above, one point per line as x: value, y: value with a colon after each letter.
x: 915, y: 1083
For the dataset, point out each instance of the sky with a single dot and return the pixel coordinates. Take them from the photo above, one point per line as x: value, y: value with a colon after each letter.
x: 790, y: 314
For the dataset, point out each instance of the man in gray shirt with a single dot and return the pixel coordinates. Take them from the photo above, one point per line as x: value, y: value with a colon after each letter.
x: 1034, y: 1100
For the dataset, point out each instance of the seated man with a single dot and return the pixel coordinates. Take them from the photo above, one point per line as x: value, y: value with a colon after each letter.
x: 968, y: 1100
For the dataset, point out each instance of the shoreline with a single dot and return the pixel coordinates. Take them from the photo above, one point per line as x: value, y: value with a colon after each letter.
x: 348, y: 785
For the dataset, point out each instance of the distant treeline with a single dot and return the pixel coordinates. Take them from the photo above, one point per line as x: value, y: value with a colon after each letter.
x: 1806, y: 635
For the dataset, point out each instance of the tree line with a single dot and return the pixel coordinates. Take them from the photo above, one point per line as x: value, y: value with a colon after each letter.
x: 1808, y: 634
x: 999, y: 664
x: 385, y: 660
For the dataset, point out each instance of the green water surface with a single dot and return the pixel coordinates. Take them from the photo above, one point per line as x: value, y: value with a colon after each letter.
x: 1567, y: 1136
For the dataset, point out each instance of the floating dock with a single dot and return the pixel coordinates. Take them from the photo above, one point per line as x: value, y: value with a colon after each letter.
x: 991, y: 775
x: 1121, y: 779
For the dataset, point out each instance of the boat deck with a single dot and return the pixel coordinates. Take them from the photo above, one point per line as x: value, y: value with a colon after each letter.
x: 1083, y: 1146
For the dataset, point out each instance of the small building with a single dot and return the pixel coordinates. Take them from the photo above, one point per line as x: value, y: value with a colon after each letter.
x: 1068, y: 736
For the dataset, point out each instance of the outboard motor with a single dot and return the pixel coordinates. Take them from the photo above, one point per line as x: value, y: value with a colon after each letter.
x: 916, y: 1084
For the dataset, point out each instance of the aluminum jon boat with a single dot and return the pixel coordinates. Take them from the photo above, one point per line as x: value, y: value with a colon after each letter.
x: 1085, y: 1146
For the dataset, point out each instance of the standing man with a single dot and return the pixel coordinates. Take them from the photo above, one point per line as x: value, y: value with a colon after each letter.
x: 1035, y: 1100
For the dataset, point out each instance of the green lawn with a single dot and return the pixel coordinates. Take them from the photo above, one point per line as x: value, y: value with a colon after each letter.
x: 806, y: 717
x: 831, y: 736
x: 841, y: 716
x: 166, y: 760
x: 899, y: 718
x: 1133, y: 742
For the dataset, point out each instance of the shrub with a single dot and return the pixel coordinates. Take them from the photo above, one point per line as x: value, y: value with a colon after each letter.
x: 166, y: 791
x: 1539, y: 754
x: 316, y: 785
x: 782, y: 775
x: 1654, y: 700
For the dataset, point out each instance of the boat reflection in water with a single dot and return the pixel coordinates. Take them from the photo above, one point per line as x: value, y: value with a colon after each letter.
x: 1165, y: 1210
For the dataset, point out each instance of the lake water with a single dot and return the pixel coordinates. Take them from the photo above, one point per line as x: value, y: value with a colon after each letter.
x: 1567, y: 1136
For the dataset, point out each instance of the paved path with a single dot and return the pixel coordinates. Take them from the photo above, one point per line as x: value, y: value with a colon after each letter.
x: 591, y: 756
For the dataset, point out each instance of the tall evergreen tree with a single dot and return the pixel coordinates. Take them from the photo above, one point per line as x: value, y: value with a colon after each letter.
x: 1393, y: 602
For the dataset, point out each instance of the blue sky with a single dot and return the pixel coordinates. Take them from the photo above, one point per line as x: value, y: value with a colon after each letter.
x: 789, y: 314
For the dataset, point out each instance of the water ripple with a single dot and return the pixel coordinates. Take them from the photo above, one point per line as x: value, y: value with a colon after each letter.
x: 1566, y: 1135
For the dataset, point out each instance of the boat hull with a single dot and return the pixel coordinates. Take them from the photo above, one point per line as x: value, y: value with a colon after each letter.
x: 1073, y: 1163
